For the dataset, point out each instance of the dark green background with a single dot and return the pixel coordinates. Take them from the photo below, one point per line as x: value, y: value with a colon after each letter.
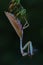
x: 9, y: 41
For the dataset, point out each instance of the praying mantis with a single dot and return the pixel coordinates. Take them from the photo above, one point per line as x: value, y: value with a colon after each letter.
x: 19, y: 30
x: 15, y: 22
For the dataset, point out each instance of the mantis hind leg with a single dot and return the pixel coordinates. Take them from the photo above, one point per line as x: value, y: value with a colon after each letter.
x: 21, y: 48
x: 30, y: 48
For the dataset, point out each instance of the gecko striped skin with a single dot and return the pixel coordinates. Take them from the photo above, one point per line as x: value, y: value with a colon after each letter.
x: 19, y: 30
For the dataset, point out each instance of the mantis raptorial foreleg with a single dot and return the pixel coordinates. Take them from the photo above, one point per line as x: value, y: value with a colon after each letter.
x: 26, y: 25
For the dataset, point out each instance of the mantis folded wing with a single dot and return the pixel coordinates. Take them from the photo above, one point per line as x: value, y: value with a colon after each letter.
x: 14, y: 23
